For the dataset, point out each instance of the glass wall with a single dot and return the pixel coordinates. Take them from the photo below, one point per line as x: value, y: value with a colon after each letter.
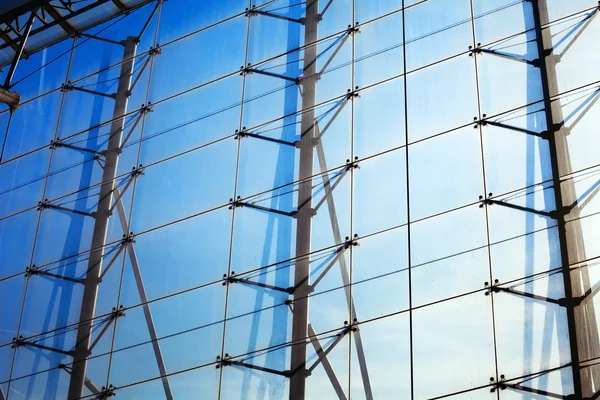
x: 441, y: 248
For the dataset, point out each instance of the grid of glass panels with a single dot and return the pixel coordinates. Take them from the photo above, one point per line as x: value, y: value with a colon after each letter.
x: 428, y: 115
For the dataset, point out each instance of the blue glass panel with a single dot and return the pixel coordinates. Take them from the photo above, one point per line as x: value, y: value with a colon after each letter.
x: 459, y: 353
x: 445, y: 172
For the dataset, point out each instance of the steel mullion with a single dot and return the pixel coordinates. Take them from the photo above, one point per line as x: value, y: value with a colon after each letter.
x: 100, y: 230
x: 581, y: 323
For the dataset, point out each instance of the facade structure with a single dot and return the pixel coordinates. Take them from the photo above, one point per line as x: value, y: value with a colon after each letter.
x: 378, y: 199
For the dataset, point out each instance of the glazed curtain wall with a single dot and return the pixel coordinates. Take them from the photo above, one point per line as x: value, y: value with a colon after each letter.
x: 430, y: 122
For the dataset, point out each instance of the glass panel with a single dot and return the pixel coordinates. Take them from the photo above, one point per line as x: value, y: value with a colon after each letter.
x: 181, y: 322
x: 447, y: 104
x: 366, y: 10
x: 43, y: 71
x: 445, y: 247
x: 386, y: 347
x: 164, y: 194
x: 507, y: 78
x: 179, y: 18
x: 270, y: 35
x: 182, y: 256
x: 459, y: 353
x: 508, y: 223
x: 445, y: 172
x: 515, y: 159
x: 378, y: 51
x: 532, y: 334
x: 380, y: 265
x: 559, y: 9
x: 177, y: 67
x: 435, y: 31
x: 6, y: 358
x: 558, y: 382
x: 379, y: 122
x: 572, y: 39
x: 191, y: 120
x: 32, y: 126
x: 11, y: 295
x: 498, y: 19
x: 580, y: 113
x: 318, y: 385
x: 17, y: 235
x: 380, y: 193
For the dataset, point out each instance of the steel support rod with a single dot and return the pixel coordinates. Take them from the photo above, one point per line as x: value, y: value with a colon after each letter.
x: 582, y: 326
x: 135, y: 266
x: 90, y: 292
x: 19, y: 54
x: 304, y: 216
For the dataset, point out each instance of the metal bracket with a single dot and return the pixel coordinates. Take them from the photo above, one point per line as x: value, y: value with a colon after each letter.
x: 322, y: 355
x: 513, y: 57
x: 485, y: 122
x: 516, y: 386
x: 489, y: 202
x: 238, y: 203
x: 249, y: 70
x: 251, y: 12
x: 20, y: 342
x: 69, y: 87
x: 233, y: 279
x: 45, y: 204
x: 54, y: 144
x: 244, y: 133
x: 563, y: 302
x: 33, y: 270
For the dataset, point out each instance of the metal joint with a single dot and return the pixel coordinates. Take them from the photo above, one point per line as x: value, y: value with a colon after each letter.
x: 351, y: 242
x: 251, y: 12
x: 42, y: 205
x: 137, y: 171
x: 353, y: 29
x: 475, y: 50
x: 117, y: 312
x: 66, y: 87
x: 351, y: 94
x: 106, y: 392
x: 130, y: 238
x: 571, y: 302
x: 500, y: 385
x: 155, y: 50
x: 493, y: 288
x: 479, y: 122
x: 352, y: 164
x: 147, y: 108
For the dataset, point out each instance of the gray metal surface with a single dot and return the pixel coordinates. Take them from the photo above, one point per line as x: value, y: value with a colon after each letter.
x: 94, y: 269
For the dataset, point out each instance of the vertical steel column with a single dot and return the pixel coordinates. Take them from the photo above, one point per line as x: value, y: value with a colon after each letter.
x: 90, y: 292
x: 304, y: 216
x: 582, y: 326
